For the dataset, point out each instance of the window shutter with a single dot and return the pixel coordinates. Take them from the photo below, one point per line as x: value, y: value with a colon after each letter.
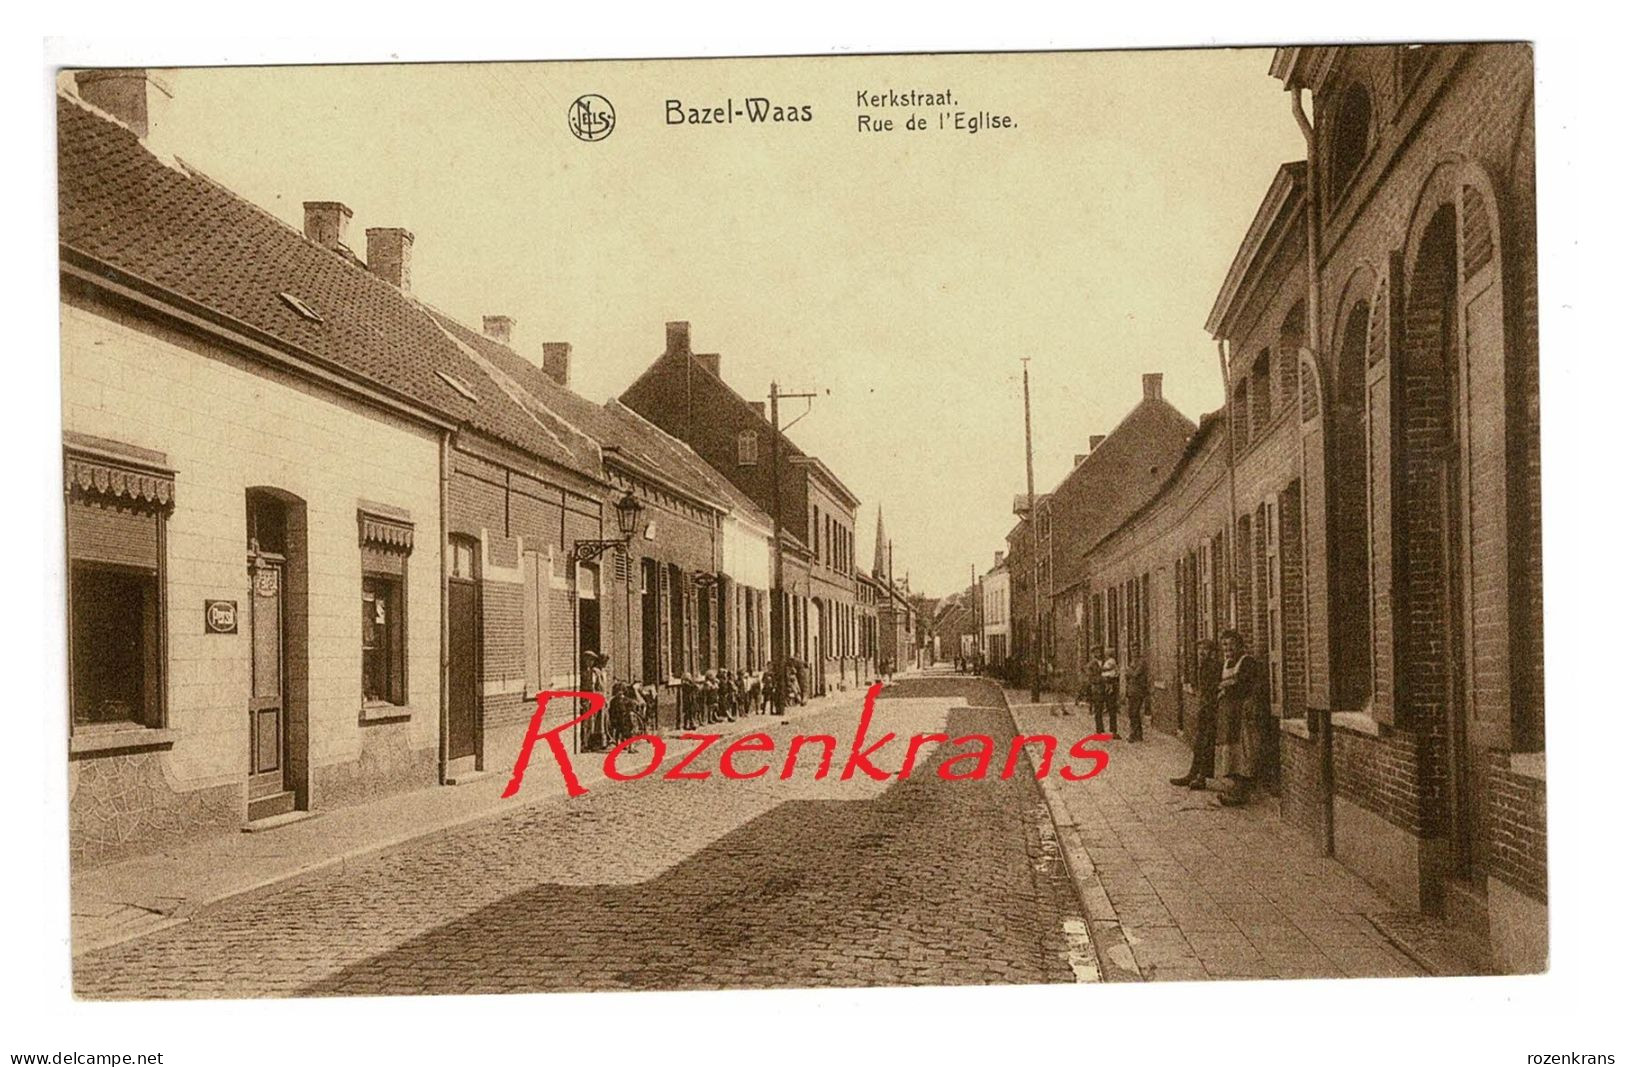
x: 1483, y: 419
x: 1381, y: 471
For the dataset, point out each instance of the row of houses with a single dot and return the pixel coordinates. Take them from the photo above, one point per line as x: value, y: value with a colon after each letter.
x: 262, y: 426
x: 1364, y: 508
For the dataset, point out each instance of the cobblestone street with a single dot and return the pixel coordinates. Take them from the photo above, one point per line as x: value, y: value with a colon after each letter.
x: 654, y: 884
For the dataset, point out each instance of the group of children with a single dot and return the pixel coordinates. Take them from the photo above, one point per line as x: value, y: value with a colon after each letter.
x: 717, y: 696
x: 703, y: 698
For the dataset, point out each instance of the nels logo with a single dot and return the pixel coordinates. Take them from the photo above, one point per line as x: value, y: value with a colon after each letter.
x: 592, y: 118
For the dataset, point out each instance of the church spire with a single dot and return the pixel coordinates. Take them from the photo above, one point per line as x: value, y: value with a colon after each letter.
x: 880, y: 569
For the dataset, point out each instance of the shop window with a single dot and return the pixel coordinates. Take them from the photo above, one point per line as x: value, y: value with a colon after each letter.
x: 115, y: 642
x: 386, y: 543
x: 383, y: 661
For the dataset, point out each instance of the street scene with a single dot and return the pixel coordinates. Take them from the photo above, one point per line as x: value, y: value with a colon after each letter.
x: 1138, y: 583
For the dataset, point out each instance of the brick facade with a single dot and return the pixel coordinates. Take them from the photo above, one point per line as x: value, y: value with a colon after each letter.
x: 1379, y: 547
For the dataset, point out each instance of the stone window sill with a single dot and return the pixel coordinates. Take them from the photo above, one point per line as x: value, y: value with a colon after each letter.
x: 1531, y: 765
x: 381, y: 712
x: 122, y: 737
x: 1356, y: 722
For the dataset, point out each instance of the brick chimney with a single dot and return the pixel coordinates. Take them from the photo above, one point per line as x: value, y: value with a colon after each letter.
x: 556, y: 361
x: 135, y: 97
x: 326, y: 222
x: 677, y: 339
x: 1095, y: 439
x: 711, y: 361
x: 498, y: 328
x: 389, y: 255
x: 998, y: 559
x: 1079, y: 457
x: 1151, y: 386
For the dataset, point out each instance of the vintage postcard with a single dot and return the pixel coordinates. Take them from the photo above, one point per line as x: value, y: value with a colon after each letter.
x: 822, y: 521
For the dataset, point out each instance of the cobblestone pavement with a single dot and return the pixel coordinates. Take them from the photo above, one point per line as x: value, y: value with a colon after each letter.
x: 654, y: 884
x: 1201, y: 891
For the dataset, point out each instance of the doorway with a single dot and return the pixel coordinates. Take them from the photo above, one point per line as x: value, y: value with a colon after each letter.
x: 278, y: 651
x: 462, y: 651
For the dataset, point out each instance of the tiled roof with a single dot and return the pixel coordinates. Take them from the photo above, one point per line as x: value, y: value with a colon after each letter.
x: 175, y: 229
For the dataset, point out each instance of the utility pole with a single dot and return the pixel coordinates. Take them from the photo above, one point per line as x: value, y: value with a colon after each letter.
x: 781, y: 602
x: 975, y: 619
x: 1032, y: 527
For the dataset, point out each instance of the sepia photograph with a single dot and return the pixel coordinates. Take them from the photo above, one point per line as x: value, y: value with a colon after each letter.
x: 993, y: 518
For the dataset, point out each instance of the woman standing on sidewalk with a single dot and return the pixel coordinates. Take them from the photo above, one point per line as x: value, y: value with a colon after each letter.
x: 1241, y: 729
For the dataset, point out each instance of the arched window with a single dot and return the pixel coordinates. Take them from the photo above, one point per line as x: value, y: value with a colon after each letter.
x: 1351, y: 648
x: 1351, y: 136
x: 747, y: 448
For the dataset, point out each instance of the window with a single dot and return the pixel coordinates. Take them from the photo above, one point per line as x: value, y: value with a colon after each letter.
x: 118, y: 500
x: 383, y: 668
x: 747, y: 448
x: 1351, y: 133
x: 1259, y: 417
x: 1238, y: 416
x: 115, y: 640
x: 386, y: 542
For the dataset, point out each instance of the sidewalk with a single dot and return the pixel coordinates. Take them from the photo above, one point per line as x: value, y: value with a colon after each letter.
x: 116, y: 902
x: 1177, y: 887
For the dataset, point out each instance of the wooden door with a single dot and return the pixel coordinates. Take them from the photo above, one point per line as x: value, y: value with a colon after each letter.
x: 462, y: 684
x: 267, y: 704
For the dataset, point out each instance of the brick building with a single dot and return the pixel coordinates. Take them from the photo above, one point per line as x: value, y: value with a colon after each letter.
x: 1423, y: 437
x: 1121, y: 469
x: 684, y: 394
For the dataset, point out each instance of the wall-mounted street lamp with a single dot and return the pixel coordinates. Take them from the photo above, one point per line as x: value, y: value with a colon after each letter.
x: 627, y: 511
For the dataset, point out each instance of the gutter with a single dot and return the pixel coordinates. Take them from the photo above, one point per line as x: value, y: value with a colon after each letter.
x: 1323, y: 735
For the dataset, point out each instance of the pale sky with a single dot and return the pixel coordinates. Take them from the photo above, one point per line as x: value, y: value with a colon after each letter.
x: 905, y: 272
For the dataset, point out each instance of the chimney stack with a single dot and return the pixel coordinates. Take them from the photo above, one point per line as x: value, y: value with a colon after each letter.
x: 498, y: 328
x: 326, y: 222
x: 1095, y: 439
x: 998, y: 559
x: 389, y: 255
x: 556, y: 361
x: 1151, y: 385
x: 760, y: 407
x: 677, y: 339
x: 711, y: 361
x: 136, y: 97
x: 1079, y: 457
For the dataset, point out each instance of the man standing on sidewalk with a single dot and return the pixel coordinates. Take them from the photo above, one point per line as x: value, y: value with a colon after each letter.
x: 1108, y: 688
x: 1137, y: 688
x: 1207, y: 717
